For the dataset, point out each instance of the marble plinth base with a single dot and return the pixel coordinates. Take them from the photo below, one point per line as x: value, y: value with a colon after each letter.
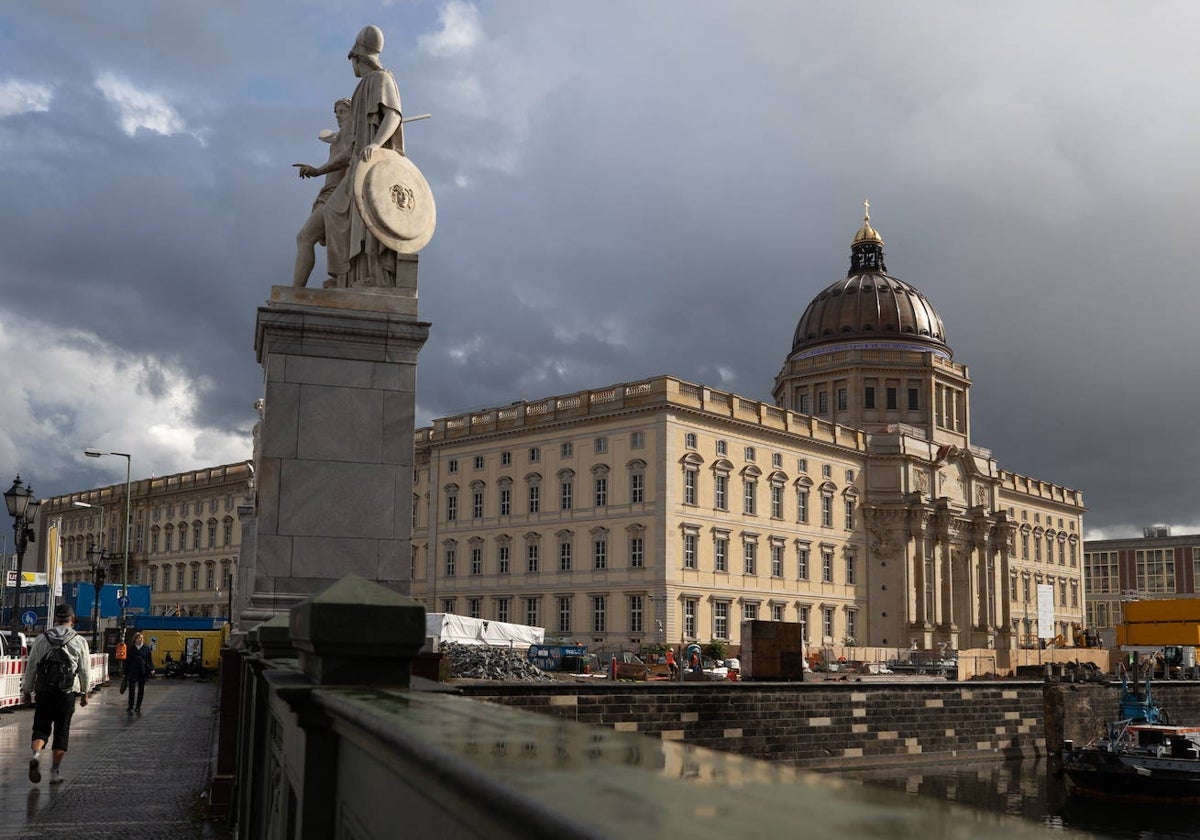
x: 334, y: 455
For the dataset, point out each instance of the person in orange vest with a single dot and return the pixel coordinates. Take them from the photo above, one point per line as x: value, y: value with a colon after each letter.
x: 672, y: 667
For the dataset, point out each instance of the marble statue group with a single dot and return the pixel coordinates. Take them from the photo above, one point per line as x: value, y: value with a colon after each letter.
x: 375, y: 204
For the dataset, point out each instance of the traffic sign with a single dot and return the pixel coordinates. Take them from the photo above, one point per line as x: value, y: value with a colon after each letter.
x: 29, y: 617
x: 123, y: 601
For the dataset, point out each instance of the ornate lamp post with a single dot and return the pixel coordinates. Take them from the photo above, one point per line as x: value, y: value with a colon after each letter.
x: 96, y: 558
x: 96, y: 453
x: 22, y: 507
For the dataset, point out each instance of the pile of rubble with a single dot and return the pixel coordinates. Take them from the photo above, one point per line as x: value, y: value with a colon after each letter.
x: 482, y: 662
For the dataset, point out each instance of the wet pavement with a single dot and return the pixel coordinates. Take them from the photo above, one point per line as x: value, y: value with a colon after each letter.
x: 125, y: 776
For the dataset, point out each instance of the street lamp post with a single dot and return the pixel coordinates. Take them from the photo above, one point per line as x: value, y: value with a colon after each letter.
x: 98, y: 575
x: 22, y: 507
x: 96, y: 453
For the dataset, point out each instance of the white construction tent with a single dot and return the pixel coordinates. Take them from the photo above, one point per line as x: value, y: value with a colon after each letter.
x: 464, y: 630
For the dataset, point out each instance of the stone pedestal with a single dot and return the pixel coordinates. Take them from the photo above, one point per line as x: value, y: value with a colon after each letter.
x: 334, y: 453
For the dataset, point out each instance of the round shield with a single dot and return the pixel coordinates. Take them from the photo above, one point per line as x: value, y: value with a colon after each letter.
x: 395, y: 201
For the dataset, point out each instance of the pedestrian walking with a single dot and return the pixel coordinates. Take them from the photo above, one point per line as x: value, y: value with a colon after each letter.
x: 56, y: 672
x: 138, y: 667
x: 672, y: 668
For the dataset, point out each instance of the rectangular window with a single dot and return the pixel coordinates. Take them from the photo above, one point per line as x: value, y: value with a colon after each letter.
x: 689, y: 551
x: 600, y: 445
x: 564, y: 614
x: 566, y: 450
x: 827, y: 566
x: 478, y: 462
x: 777, y: 612
x: 869, y: 397
x: 852, y: 626
x: 637, y: 488
x: 802, y: 620
x: 451, y: 560
x: 637, y: 440
x: 502, y: 559
x: 802, y: 563
x: 914, y: 402
x: 720, y: 491
x: 849, y: 514
x: 599, y: 613
x: 179, y: 578
x: 720, y: 619
x: 749, y: 612
x: 750, y: 557
x: 777, y: 461
x: 535, y: 499
x: 452, y: 466
x: 208, y: 578
x: 476, y: 560
x: 535, y: 455
x: 452, y: 508
x: 892, y: 399
x: 720, y: 554
x: 689, y: 487
x: 601, y: 491
x: 826, y: 510
x: 636, y: 614
x: 827, y: 622
x: 637, y: 557
x: 851, y: 572
x: 531, y: 557
x: 568, y: 488
x: 842, y: 399
x: 805, y: 405
x: 505, y: 459
x: 750, y: 454
x: 448, y: 605
x: 212, y: 534
x: 531, y: 612
x: 564, y: 557
x: 227, y: 535
x: 777, y: 501
x: 502, y: 609
x: 477, y: 504
x: 475, y: 607
x: 505, y: 501
x: 777, y: 560
x: 822, y: 402
x: 748, y: 497
x: 600, y: 553
x: 802, y: 506
x: 689, y: 618
x: 1155, y: 569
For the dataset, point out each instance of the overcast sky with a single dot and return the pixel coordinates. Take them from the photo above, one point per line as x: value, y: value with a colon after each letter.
x: 624, y: 189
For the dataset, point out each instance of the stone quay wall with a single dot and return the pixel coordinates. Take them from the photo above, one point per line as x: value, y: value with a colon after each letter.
x: 817, y: 726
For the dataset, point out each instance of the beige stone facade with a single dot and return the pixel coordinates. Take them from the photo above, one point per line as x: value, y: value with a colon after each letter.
x: 662, y: 511
x: 185, y: 536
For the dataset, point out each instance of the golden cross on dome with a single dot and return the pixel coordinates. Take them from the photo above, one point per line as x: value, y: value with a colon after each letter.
x: 866, y: 210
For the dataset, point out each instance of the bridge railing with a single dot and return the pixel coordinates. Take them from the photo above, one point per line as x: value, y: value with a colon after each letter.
x: 325, y: 734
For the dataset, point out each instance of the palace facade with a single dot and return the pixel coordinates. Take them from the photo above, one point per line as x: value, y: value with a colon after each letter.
x: 664, y: 511
x: 184, y: 533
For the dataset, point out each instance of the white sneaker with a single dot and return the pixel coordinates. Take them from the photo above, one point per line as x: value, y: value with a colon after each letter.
x: 35, y: 769
x: 56, y: 778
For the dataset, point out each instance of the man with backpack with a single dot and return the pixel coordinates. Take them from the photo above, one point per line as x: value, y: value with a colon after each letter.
x: 56, y: 672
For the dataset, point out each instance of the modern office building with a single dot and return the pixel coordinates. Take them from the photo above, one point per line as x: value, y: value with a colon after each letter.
x: 1154, y: 565
x: 184, y: 533
x: 663, y: 511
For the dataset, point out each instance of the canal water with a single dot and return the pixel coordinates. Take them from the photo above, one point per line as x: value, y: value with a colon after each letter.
x: 1024, y: 789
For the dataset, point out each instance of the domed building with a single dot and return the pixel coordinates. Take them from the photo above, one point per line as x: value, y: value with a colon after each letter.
x: 668, y: 512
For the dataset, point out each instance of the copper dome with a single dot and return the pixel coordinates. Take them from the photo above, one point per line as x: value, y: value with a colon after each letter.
x: 870, y: 305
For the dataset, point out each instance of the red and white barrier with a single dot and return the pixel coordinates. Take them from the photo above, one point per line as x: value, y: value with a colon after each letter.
x: 12, y: 672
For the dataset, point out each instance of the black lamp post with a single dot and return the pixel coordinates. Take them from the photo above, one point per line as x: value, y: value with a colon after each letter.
x: 22, y: 507
x: 99, y: 573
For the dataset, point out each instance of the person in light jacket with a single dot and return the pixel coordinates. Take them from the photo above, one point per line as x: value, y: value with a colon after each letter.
x: 54, y: 706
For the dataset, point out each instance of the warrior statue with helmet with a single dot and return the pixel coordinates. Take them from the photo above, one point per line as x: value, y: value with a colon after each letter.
x: 383, y: 206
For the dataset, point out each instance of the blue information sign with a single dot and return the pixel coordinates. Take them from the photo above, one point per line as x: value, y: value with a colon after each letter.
x: 29, y: 617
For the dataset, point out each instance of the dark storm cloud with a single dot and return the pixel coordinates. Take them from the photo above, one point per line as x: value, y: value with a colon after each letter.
x: 624, y: 190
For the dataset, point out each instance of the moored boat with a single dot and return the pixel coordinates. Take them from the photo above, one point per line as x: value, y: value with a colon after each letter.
x: 1140, y: 758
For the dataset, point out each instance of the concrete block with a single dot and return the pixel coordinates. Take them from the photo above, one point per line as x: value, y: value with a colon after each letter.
x: 336, y: 500
x: 340, y: 424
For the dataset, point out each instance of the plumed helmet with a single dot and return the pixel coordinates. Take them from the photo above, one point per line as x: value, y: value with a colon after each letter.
x: 369, y: 43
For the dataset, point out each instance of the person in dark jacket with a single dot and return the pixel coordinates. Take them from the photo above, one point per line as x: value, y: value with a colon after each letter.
x: 138, y: 668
